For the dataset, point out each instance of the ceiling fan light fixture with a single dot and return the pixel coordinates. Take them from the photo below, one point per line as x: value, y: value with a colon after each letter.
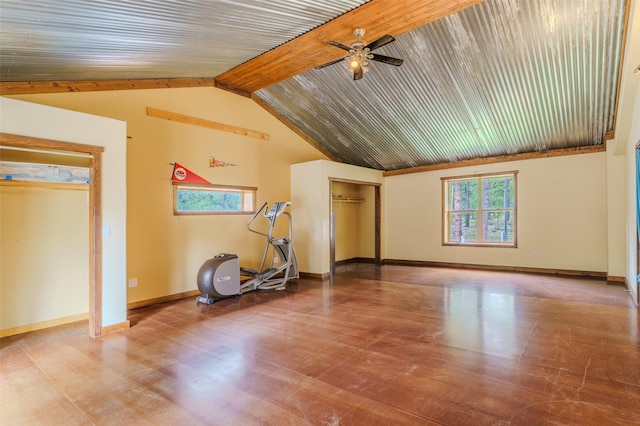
x: 359, y: 57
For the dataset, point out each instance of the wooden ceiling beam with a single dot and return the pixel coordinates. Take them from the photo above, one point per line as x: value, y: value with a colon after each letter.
x: 378, y: 17
x: 32, y: 87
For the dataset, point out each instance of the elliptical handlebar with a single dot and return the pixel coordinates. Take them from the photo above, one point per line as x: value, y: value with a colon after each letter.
x: 255, y: 215
x: 276, y: 210
x: 257, y: 212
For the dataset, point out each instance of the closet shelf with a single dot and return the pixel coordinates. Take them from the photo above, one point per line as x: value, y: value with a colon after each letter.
x: 348, y: 199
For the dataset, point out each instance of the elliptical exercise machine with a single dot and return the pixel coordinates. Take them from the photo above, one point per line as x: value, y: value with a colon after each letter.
x: 219, y: 277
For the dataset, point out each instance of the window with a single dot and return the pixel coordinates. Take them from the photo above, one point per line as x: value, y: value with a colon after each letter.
x: 213, y: 199
x: 480, y: 210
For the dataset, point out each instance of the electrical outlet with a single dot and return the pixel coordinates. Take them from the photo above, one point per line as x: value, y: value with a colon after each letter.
x: 535, y: 253
x: 133, y: 282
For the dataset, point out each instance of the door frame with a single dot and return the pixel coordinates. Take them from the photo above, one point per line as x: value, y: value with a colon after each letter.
x: 377, y: 220
x: 95, y: 212
x: 637, y: 226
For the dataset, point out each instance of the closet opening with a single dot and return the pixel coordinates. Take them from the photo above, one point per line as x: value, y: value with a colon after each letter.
x: 354, y: 225
x: 92, y: 155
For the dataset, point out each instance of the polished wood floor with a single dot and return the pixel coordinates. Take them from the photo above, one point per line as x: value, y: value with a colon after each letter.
x: 393, y: 345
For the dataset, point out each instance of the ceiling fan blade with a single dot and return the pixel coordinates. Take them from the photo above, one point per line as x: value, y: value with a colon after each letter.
x: 329, y: 63
x: 387, y: 60
x: 357, y: 72
x: 340, y: 45
x: 385, y: 39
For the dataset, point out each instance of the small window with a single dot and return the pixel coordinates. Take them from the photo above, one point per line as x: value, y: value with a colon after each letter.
x: 213, y: 199
x: 480, y: 210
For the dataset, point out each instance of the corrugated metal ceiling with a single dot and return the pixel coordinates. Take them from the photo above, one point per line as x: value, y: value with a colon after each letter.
x: 134, y: 39
x: 502, y: 77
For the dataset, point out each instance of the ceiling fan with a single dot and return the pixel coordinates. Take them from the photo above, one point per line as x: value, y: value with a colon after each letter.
x: 360, y: 53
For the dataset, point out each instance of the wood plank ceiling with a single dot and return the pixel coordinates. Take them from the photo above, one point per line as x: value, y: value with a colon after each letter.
x: 480, y: 79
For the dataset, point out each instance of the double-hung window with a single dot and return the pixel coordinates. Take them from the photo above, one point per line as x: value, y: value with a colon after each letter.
x: 480, y: 209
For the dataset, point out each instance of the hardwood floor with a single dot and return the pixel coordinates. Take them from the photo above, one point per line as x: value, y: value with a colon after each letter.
x: 391, y: 345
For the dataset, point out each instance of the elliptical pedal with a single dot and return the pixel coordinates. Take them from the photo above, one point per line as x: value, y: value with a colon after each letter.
x: 248, y: 272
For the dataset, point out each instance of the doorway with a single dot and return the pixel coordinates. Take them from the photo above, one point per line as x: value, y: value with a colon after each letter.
x: 354, y: 225
x: 95, y: 209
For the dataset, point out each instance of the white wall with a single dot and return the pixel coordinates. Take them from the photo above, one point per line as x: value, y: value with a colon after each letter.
x: 310, y: 192
x: 627, y: 136
x: 631, y: 209
x: 28, y: 119
x: 561, y: 216
x: 616, y: 207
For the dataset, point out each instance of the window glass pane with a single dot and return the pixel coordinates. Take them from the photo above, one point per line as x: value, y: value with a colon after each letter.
x: 469, y: 189
x: 499, y: 192
x: 463, y: 227
x: 463, y: 195
x: 190, y: 200
x: 497, y: 226
x: 453, y: 195
x: 455, y: 227
x: 199, y: 200
x: 469, y: 227
x: 249, y: 203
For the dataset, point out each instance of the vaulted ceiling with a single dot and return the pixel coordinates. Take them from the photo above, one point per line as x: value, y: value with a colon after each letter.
x: 480, y: 79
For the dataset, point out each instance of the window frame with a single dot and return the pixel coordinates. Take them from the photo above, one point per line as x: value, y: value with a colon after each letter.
x: 244, y: 190
x: 479, y: 210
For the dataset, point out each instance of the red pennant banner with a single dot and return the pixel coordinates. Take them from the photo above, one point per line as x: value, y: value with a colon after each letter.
x: 182, y: 174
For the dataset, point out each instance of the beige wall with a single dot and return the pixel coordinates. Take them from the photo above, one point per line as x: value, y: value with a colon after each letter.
x: 347, y: 230
x: 367, y: 222
x: 310, y: 192
x: 164, y: 252
x: 44, y: 257
x: 30, y: 119
x: 309, y: 230
x: 561, y: 219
